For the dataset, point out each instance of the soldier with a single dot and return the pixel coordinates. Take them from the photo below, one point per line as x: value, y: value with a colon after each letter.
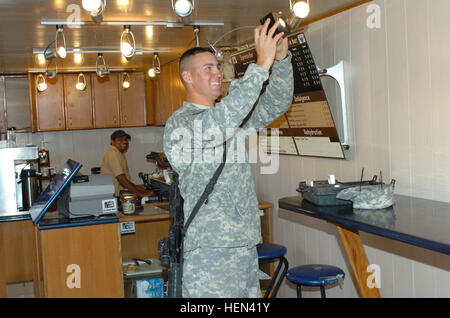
x: 220, y: 256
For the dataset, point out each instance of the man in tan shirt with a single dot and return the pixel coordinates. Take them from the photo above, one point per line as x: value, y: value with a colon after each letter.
x: 115, y: 163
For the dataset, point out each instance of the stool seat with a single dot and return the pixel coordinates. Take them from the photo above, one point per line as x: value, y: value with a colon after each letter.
x: 270, y: 251
x: 315, y: 275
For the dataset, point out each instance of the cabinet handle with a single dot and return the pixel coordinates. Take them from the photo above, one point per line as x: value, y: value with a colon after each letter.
x: 125, y: 119
x: 59, y: 122
x: 115, y: 119
x: 70, y: 122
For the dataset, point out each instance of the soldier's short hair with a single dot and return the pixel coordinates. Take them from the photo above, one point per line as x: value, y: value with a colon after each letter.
x: 189, y: 53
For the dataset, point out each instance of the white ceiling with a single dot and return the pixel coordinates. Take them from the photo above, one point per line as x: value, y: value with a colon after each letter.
x: 21, y: 30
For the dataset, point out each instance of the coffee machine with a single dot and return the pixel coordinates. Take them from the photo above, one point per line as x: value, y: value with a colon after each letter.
x: 18, y: 179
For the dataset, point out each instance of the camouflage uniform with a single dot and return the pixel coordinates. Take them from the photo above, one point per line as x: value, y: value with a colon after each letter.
x: 369, y: 197
x: 230, y: 217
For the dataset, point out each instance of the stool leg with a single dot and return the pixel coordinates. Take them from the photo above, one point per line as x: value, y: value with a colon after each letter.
x: 322, y: 291
x: 282, y: 276
x: 274, y: 277
x: 299, y: 291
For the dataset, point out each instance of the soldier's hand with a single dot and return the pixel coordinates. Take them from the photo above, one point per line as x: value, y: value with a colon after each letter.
x: 266, y: 44
x: 282, y: 49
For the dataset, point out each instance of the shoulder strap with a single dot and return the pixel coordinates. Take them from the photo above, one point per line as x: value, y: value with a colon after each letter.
x: 208, y: 190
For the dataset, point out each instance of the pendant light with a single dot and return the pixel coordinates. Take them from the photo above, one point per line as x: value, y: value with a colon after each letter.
x: 94, y: 8
x: 60, y: 42
x: 156, y: 69
x: 100, y: 66
x: 81, y: 82
x: 41, y: 85
x: 125, y: 80
x: 183, y: 8
x: 127, y: 43
x: 300, y: 8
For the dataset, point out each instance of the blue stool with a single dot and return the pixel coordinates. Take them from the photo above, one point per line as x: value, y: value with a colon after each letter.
x: 266, y: 252
x: 315, y: 275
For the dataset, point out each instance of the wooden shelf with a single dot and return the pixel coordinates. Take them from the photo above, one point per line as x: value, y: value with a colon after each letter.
x: 151, y: 213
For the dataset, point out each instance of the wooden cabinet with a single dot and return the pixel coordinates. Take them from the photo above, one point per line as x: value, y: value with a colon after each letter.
x: 18, y: 258
x: 80, y: 262
x: 132, y: 101
x: 105, y: 95
x: 77, y: 103
x: 103, y: 104
x: 169, y: 93
x: 48, y: 106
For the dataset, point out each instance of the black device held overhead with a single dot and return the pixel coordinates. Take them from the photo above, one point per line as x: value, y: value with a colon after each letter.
x: 277, y: 16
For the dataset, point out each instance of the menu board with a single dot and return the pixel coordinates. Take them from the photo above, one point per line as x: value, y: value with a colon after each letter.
x: 307, y: 128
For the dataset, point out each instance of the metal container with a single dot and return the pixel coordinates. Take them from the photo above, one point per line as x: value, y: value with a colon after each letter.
x: 9, y: 159
x: 30, y: 187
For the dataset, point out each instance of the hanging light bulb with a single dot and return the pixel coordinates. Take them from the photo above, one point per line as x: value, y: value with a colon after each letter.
x: 41, y: 58
x: 125, y: 80
x: 81, y: 83
x: 94, y: 8
x: 41, y: 85
x: 183, y: 8
x: 301, y: 8
x: 127, y: 43
x: 100, y: 66
x: 156, y: 69
x: 91, y: 5
x: 61, y: 44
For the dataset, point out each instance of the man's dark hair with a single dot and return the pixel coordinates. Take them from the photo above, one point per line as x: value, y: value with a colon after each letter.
x: 191, y: 52
x: 194, y: 51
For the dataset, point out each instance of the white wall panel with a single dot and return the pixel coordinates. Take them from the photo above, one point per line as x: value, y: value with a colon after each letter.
x: 398, y: 94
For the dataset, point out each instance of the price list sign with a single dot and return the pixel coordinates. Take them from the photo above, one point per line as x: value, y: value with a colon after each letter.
x: 307, y: 128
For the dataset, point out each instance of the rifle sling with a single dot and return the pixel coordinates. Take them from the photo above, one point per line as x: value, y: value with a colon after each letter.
x: 208, y: 190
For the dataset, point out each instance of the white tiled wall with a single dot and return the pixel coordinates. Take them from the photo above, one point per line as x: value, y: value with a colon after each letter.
x: 398, y: 91
x: 89, y: 146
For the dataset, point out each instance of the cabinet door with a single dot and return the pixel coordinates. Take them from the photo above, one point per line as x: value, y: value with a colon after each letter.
x: 169, y: 93
x: 77, y: 103
x: 132, y: 101
x: 106, y: 101
x: 50, y: 105
x: 179, y: 92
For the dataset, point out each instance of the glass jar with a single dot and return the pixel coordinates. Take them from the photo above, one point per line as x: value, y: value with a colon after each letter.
x: 128, y: 202
x: 11, y: 137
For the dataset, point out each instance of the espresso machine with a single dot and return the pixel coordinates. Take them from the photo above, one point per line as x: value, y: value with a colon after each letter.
x: 19, y: 176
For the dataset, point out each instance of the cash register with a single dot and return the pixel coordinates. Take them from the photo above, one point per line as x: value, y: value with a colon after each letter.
x: 88, y: 196
x: 91, y: 198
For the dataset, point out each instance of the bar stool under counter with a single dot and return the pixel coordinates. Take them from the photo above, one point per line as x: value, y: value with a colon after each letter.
x: 270, y: 252
x: 315, y: 275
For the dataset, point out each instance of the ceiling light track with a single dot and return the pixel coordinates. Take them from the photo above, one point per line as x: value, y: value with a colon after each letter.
x: 104, y: 50
x: 86, y: 70
x: 168, y: 24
